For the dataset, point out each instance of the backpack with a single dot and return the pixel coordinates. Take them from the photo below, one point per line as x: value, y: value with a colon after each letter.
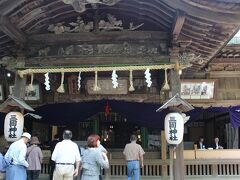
x: 3, y: 163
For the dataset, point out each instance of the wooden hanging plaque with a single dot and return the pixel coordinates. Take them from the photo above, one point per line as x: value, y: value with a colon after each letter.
x: 107, y: 86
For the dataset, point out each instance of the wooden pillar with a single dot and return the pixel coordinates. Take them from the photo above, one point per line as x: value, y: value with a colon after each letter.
x: 171, y: 165
x: 164, y: 155
x: 54, y: 131
x: 175, y: 88
x: 144, y: 137
x: 20, y: 83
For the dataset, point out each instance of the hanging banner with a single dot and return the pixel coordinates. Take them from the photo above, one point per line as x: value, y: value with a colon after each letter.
x: 13, y: 126
x: 174, y: 128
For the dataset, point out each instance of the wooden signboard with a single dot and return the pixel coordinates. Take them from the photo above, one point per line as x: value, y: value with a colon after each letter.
x: 197, y: 89
x: 107, y: 86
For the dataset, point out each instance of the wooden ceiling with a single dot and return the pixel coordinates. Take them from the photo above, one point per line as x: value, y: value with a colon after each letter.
x: 202, y: 27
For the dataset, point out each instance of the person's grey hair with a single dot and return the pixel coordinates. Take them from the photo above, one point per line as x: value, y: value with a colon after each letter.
x: 67, y: 134
x: 133, y: 138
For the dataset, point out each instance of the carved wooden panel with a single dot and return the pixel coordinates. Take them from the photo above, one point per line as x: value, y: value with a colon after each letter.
x: 72, y: 85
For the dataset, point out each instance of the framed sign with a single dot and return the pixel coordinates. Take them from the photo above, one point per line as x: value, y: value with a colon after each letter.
x: 197, y: 89
x: 1, y: 93
x: 107, y: 87
x: 33, y: 95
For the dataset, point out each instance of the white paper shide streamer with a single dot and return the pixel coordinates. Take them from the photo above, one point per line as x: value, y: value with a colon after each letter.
x: 114, y: 79
x: 47, y: 82
x: 79, y: 81
x: 148, y: 77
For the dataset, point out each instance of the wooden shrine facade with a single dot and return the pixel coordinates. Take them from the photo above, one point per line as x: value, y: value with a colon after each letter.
x: 62, y: 33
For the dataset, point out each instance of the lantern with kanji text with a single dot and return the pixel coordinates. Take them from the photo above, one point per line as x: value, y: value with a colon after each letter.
x: 174, y: 128
x: 13, y: 126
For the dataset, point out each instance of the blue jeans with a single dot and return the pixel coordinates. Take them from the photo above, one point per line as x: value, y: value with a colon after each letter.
x: 133, y: 170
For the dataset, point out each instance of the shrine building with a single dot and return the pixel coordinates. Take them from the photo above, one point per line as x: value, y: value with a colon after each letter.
x: 106, y: 66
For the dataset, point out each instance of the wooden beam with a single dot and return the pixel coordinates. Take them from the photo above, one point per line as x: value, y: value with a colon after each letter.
x: 8, y: 6
x: 204, y: 14
x: 11, y: 30
x: 101, y: 37
x: 74, y: 61
x: 178, y: 24
x: 199, y: 44
x: 225, y: 60
x: 212, y: 7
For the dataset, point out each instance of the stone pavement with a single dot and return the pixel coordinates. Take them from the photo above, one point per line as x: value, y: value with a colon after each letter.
x: 45, y: 177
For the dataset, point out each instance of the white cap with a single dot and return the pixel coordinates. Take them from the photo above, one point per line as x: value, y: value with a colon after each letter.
x: 27, y: 135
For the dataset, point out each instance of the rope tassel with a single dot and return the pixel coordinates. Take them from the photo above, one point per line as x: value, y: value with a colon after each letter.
x: 96, y: 87
x: 166, y: 86
x: 30, y: 86
x: 61, y: 87
x: 131, y: 88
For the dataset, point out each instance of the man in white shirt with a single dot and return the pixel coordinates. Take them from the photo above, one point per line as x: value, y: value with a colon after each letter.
x: 216, y: 144
x: 65, y: 155
x: 15, y: 157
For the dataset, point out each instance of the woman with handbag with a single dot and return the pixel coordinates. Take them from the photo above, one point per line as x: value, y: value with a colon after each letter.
x: 34, y: 158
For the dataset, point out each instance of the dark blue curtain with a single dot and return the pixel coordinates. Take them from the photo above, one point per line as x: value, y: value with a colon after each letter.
x: 143, y: 114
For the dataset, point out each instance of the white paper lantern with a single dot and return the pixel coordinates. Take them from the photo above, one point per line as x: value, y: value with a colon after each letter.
x: 174, y: 127
x: 13, y: 126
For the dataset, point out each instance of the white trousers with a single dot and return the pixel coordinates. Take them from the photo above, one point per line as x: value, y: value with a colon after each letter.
x: 63, y: 172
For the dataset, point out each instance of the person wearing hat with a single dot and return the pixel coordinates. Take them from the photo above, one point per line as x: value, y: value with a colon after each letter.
x: 15, y: 157
x: 34, y: 158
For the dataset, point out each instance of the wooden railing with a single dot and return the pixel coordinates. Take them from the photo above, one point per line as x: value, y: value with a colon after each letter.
x: 155, y: 167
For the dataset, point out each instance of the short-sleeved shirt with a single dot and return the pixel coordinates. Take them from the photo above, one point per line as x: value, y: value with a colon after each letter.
x: 66, y: 151
x: 133, y: 151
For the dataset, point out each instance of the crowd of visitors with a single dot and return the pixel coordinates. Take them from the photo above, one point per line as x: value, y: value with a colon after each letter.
x: 68, y: 161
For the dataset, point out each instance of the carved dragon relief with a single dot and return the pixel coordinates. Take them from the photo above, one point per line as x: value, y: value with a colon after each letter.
x: 80, y: 5
x: 111, y: 24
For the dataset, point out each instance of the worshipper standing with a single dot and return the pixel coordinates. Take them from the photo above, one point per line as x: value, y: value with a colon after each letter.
x: 65, y: 155
x: 53, y: 143
x: 34, y: 158
x: 93, y: 159
x: 15, y: 157
x: 133, y: 153
x: 216, y: 144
